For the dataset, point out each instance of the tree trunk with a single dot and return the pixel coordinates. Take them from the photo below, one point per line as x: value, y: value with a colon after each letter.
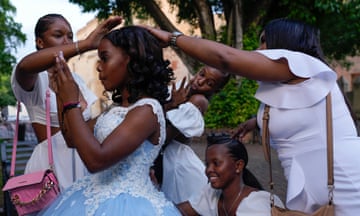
x: 164, y: 23
x: 238, y: 30
x: 206, y: 19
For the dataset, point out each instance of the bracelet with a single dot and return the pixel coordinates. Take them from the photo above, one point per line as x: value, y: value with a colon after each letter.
x: 173, y: 38
x: 69, y: 106
x: 77, y: 49
x: 66, y: 107
x: 70, y: 103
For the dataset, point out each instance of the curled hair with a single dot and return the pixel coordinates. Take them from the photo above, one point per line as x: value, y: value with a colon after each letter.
x: 284, y: 33
x: 44, y: 22
x: 149, y: 73
x: 237, y: 151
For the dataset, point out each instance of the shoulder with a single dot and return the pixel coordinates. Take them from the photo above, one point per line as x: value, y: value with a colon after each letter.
x: 205, y: 202
x: 149, y: 102
x: 262, y: 198
x: 200, y: 101
x: 146, y: 106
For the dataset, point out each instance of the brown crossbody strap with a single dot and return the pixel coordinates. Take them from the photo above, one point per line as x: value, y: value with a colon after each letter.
x: 330, y: 147
x: 265, y: 139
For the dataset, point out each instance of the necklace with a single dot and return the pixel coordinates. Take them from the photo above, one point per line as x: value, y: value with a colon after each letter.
x: 233, y: 202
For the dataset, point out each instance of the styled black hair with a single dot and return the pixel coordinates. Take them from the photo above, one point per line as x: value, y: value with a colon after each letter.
x: 44, y: 22
x: 237, y: 151
x: 149, y: 73
x: 284, y: 33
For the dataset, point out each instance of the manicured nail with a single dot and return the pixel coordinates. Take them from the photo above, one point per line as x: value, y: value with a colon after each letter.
x: 61, y: 54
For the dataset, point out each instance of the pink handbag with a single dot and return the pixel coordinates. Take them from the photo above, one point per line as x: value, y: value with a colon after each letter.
x: 32, y: 192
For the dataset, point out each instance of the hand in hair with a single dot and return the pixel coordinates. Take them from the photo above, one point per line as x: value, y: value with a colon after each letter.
x: 245, y: 128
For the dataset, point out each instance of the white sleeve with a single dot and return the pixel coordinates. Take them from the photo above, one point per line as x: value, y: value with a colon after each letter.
x: 205, y: 203
x: 34, y: 97
x: 188, y: 119
x: 321, y: 79
x: 257, y: 203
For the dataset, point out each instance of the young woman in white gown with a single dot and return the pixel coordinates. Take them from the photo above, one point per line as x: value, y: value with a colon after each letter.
x: 120, y: 148
x: 294, y: 80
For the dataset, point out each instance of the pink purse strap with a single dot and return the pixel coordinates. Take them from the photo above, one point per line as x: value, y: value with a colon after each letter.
x: 15, y: 140
x: 48, y: 130
x: 48, y: 134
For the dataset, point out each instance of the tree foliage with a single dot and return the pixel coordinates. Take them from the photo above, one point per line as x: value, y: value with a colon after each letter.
x: 338, y: 21
x: 10, y: 37
x: 234, y: 104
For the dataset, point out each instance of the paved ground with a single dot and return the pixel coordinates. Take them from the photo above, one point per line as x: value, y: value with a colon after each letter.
x: 257, y: 165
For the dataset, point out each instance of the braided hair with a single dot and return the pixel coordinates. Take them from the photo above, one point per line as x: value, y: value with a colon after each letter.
x: 237, y: 151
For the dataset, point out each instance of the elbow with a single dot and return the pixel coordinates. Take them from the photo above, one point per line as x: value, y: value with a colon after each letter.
x: 224, y: 62
x: 93, y: 169
x: 94, y: 166
x: 26, y: 80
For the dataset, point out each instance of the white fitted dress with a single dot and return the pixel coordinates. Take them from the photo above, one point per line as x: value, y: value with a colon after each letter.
x: 297, y: 129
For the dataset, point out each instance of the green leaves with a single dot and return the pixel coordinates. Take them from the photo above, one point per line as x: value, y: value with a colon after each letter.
x: 234, y: 104
x: 6, y: 94
x: 10, y: 37
x: 338, y: 21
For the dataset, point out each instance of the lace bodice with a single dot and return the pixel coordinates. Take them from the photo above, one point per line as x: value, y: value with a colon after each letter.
x: 130, y: 175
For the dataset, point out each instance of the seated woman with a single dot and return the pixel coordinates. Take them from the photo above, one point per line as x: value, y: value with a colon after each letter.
x: 233, y: 189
